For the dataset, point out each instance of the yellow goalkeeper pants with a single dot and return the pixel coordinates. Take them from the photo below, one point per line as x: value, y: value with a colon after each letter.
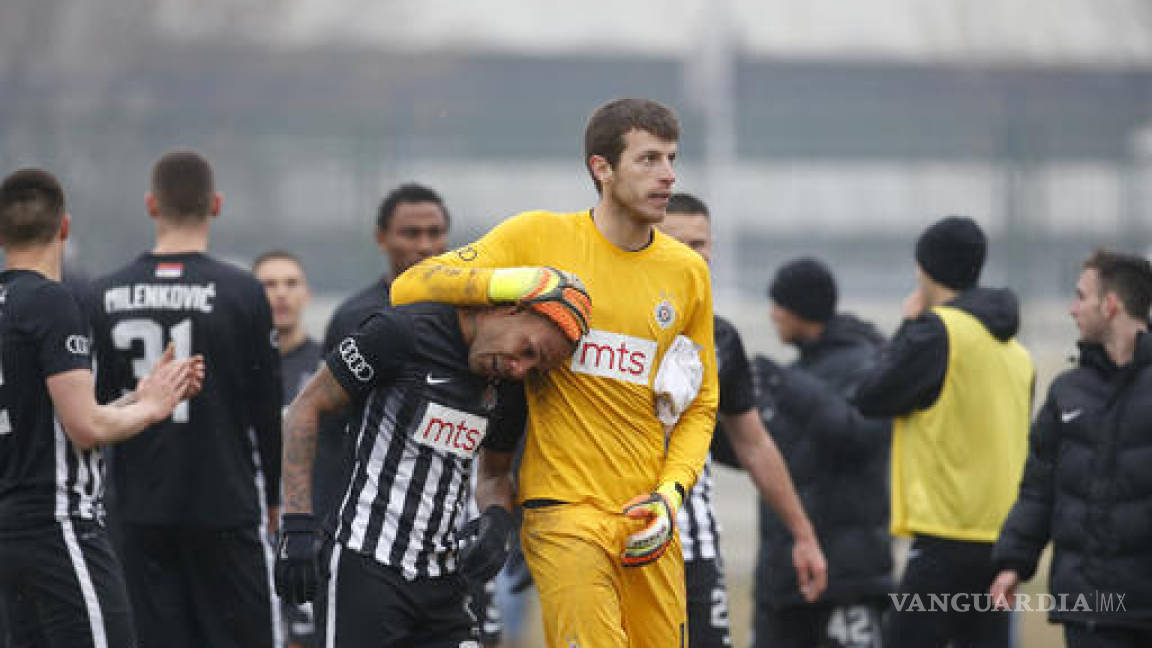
x: 587, y: 598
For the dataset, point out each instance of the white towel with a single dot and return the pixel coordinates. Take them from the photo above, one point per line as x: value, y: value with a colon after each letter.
x: 678, y: 379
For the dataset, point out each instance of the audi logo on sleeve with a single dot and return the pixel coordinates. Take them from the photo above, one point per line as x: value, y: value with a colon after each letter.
x: 451, y: 430
x: 350, y: 354
x: 614, y: 355
x: 77, y: 344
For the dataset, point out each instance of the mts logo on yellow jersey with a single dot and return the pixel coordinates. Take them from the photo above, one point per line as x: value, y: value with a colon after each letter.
x: 451, y: 430
x: 613, y: 355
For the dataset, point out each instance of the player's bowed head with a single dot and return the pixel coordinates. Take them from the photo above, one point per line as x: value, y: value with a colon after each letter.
x: 538, y: 333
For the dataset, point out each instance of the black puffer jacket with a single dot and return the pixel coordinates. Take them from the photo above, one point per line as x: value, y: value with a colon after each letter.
x: 1087, y: 486
x: 838, y: 460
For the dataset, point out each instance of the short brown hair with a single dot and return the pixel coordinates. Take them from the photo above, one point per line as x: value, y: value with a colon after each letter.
x: 604, y: 135
x: 1127, y: 275
x: 31, y: 207
x: 686, y: 203
x: 276, y: 254
x: 183, y: 185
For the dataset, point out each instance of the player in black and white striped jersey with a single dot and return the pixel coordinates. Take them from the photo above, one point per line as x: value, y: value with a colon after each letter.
x: 436, y: 383
x: 59, y: 578
x: 740, y: 441
x: 699, y: 529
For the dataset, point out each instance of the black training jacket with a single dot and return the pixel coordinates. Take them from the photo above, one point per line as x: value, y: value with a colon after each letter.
x: 838, y: 461
x: 1087, y: 487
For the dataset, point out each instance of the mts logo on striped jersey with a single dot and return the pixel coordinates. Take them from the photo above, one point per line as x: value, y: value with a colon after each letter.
x: 613, y: 355
x: 451, y: 430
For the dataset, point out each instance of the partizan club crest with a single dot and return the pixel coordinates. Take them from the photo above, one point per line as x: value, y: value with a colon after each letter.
x: 665, y: 314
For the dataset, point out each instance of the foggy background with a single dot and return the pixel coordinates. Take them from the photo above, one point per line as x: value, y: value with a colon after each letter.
x: 809, y: 126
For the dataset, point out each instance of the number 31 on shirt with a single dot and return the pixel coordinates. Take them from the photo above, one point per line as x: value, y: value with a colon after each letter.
x: 151, y: 336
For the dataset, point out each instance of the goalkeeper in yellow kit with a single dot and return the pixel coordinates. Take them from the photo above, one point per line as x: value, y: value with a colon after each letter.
x: 600, y: 482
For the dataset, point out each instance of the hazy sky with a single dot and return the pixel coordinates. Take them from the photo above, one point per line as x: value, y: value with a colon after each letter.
x: 1109, y: 32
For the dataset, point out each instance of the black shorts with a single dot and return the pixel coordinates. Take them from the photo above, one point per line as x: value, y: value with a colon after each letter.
x: 193, y: 586
x: 707, y: 604
x: 61, y: 585
x: 365, y: 603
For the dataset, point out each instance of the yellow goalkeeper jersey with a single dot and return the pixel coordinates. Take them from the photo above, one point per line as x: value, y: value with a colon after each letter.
x: 593, y: 435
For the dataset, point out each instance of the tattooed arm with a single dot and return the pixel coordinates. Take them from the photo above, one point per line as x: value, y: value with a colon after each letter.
x: 321, y: 395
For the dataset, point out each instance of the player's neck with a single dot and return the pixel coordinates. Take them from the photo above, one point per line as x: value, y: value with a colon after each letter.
x: 940, y: 295
x: 44, y: 259
x: 171, y: 239
x: 1120, y: 341
x: 291, y: 339
x: 621, y: 228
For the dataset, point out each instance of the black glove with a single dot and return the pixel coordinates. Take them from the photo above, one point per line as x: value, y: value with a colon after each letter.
x: 486, y: 544
x: 297, y: 558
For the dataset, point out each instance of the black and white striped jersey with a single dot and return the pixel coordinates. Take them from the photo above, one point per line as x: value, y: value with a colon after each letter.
x: 43, y: 477
x: 699, y: 530
x: 423, y: 418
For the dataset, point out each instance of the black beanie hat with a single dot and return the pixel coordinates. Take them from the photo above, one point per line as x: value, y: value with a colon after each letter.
x: 952, y: 251
x: 805, y: 287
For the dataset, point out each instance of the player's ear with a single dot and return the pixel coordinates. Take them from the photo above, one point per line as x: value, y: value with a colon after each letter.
x: 65, y: 226
x: 152, y: 205
x: 600, y: 168
x: 217, y: 203
x: 1111, y: 305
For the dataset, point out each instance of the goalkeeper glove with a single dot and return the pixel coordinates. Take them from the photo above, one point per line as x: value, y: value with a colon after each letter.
x: 555, y: 294
x: 658, y: 509
x: 487, y: 544
x: 297, y: 559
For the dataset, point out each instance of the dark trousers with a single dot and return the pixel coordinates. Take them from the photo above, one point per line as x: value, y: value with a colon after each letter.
x: 947, y: 567
x: 1079, y: 635
x: 62, y: 587
x: 707, y: 604
x: 367, y: 604
x: 827, y: 624
x: 194, y: 587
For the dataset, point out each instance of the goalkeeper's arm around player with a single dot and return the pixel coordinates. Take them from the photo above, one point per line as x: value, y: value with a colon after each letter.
x: 434, y: 281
